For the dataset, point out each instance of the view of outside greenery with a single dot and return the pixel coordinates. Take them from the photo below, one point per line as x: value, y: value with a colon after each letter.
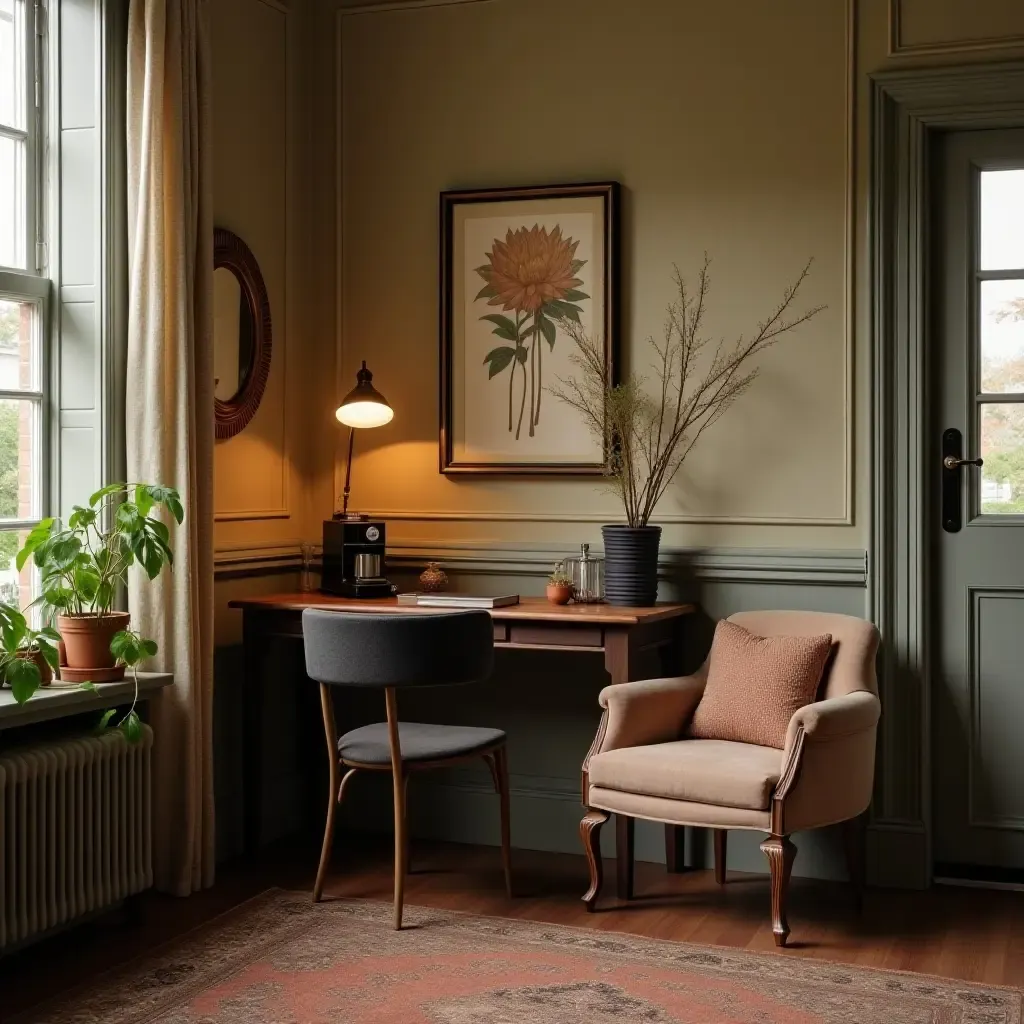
x: 10, y: 326
x: 1002, y: 425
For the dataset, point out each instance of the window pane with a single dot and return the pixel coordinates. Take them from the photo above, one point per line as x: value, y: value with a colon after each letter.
x: 12, y: 63
x: 1002, y: 448
x: 18, y: 588
x: 12, y: 203
x: 19, y: 437
x: 1002, y: 220
x: 19, y: 345
x: 1001, y: 316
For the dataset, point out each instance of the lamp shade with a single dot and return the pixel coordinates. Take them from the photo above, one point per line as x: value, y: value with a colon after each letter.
x: 364, y: 406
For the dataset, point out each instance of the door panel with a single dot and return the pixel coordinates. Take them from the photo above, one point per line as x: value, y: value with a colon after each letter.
x: 977, y: 321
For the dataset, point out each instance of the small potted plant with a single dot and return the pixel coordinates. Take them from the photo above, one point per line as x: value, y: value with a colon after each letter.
x: 28, y: 657
x: 559, y: 588
x: 84, y: 563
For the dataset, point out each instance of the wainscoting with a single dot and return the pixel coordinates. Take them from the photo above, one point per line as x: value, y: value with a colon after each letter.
x: 547, y: 702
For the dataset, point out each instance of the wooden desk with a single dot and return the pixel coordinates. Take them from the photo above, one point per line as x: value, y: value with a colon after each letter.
x: 622, y: 634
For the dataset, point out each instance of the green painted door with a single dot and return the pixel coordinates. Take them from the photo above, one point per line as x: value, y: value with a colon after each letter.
x: 976, y: 323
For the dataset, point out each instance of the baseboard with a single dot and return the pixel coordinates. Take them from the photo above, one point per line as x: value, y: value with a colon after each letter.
x: 898, y: 855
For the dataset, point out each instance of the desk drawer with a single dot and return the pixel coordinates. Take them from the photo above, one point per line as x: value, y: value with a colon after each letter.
x: 538, y: 634
x: 501, y: 632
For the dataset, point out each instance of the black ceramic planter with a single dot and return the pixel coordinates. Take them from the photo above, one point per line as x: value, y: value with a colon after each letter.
x: 631, y: 564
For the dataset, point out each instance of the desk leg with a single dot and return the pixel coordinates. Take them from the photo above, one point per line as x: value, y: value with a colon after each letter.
x: 255, y: 645
x: 675, y: 835
x: 617, y: 655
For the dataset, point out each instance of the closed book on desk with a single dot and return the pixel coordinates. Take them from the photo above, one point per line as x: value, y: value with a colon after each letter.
x: 466, y: 600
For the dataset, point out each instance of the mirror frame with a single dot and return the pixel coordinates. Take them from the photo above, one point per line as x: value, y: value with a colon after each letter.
x: 230, y: 252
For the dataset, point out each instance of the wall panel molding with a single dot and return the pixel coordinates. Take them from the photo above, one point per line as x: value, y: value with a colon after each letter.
x: 350, y: 7
x: 285, y: 317
x: 845, y: 517
x: 898, y: 47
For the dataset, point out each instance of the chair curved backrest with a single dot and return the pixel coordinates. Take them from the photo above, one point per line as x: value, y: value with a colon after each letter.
x: 363, y: 649
x: 855, y: 644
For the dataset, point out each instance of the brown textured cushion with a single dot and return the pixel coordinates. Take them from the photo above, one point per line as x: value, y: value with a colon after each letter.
x: 757, y: 683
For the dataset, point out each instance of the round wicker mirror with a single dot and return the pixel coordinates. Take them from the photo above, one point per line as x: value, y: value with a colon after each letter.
x: 242, y: 340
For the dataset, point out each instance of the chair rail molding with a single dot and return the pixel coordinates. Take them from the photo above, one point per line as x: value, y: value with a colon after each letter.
x: 907, y: 108
x: 838, y: 567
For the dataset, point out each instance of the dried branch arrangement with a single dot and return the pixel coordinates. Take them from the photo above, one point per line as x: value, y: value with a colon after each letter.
x: 649, y: 435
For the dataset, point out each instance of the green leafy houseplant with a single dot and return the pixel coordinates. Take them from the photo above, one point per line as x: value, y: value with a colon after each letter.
x: 27, y: 656
x: 84, y: 563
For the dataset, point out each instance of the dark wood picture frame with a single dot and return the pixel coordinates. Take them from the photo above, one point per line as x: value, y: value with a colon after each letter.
x: 230, y: 252
x: 609, y: 192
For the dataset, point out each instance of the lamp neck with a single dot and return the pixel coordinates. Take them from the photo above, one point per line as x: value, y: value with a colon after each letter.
x: 348, y: 470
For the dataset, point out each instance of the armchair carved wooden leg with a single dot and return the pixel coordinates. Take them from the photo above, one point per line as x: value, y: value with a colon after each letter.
x: 590, y: 834
x: 624, y: 832
x: 721, y: 854
x: 780, y: 853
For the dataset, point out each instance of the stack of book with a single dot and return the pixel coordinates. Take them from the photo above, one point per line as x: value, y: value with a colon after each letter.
x: 450, y: 600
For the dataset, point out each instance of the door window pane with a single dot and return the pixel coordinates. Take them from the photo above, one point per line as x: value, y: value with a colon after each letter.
x: 1001, y: 329
x: 1002, y: 220
x: 1002, y: 448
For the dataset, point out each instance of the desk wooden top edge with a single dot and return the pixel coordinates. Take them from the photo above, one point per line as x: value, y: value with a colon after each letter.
x: 529, y: 608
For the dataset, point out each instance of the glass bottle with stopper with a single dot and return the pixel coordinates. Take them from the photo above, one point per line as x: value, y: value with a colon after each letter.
x: 587, y: 572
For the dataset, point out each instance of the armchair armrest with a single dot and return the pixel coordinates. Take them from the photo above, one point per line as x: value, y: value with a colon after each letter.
x: 648, y: 711
x: 828, y: 763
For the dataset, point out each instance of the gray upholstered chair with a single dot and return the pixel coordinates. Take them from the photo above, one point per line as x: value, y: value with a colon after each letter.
x: 388, y: 652
x: 642, y: 765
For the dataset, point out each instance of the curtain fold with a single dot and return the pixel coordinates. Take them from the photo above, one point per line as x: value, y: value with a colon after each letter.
x: 169, y: 408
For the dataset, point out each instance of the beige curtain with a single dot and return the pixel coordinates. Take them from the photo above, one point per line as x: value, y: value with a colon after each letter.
x: 169, y: 409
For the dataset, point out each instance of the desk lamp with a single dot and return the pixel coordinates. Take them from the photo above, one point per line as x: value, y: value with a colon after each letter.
x: 353, y: 564
x: 363, y: 407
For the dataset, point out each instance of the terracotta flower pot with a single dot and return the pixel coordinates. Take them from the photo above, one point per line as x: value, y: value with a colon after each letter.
x: 86, y: 641
x: 559, y: 593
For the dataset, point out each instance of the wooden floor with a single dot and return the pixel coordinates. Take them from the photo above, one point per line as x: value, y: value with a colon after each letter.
x: 974, y: 935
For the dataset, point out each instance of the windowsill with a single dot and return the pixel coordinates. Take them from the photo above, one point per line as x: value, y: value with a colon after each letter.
x: 53, y: 702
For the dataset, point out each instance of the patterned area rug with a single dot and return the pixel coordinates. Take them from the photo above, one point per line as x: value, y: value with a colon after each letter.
x: 281, y: 960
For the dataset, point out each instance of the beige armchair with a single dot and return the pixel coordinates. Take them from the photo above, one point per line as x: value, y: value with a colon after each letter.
x: 642, y: 766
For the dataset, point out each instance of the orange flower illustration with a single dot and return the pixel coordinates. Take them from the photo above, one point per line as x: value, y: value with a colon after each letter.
x: 530, y: 268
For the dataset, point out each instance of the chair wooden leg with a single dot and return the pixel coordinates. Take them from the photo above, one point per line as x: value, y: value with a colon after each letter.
x: 590, y: 834
x: 675, y: 849
x: 398, y: 781
x: 780, y: 853
x: 499, y: 767
x: 854, y: 838
x: 333, y: 795
x: 624, y: 832
x: 721, y: 854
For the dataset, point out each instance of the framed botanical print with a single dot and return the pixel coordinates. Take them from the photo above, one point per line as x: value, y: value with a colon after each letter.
x: 515, y: 264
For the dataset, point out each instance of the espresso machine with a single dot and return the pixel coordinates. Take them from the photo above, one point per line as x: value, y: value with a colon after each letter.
x: 353, y: 562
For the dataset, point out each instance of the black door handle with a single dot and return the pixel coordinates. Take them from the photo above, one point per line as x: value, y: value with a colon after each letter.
x: 952, y: 461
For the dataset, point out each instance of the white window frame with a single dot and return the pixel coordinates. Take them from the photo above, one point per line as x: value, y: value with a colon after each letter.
x: 30, y: 285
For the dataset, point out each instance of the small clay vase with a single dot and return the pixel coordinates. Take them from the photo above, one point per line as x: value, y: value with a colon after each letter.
x: 559, y: 593
x: 433, y: 578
